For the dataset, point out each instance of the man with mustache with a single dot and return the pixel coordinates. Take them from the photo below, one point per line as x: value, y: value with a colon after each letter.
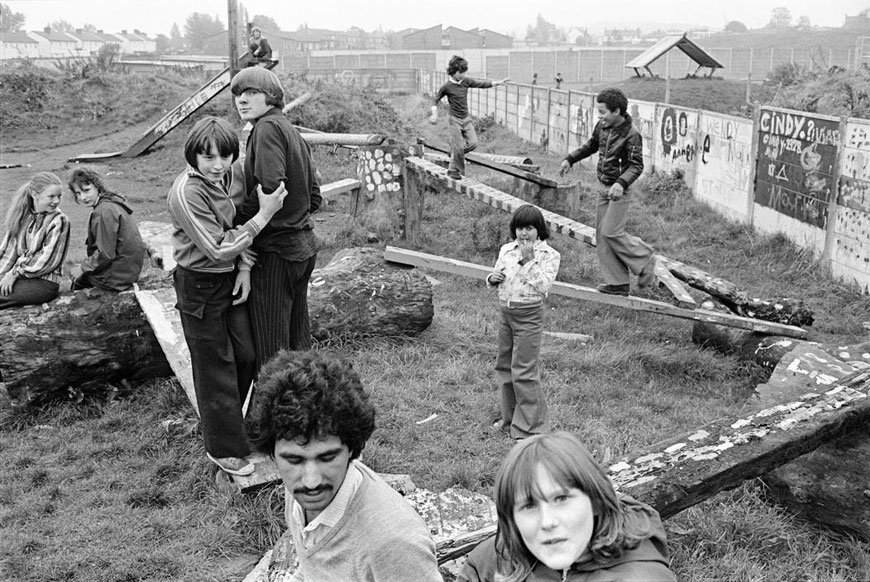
x: 313, y: 415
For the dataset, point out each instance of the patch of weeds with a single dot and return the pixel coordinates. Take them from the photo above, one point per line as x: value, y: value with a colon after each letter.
x: 39, y: 478
x: 148, y: 498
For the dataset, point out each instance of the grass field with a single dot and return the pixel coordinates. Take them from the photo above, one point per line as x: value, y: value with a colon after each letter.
x: 100, y: 491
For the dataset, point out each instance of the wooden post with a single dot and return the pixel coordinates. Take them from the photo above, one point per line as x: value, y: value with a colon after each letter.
x: 232, y: 36
x: 753, y: 156
x: 668, y: 77
x: 382, y: 197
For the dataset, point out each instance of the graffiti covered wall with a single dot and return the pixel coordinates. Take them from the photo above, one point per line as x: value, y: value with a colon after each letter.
x: 643, y: 116
x: 850, y: 244
x: 805, y: 175
x: 724, y: 172
x: 794, y: 174
x: 676, y: 140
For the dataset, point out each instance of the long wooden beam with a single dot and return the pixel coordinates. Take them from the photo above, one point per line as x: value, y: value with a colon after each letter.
x: 467, y: 269
x: 491, y: 164
x: 501, y: 201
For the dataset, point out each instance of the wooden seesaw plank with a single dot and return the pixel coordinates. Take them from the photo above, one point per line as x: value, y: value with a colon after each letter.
x: 674, y: 285
x: 501, y: 201
x: 457, y: 267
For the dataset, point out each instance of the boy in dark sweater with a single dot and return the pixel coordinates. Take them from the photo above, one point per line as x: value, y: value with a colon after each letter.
x: 463, y: 138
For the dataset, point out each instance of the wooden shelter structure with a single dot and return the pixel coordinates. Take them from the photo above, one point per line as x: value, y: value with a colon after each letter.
x: 682, y: 42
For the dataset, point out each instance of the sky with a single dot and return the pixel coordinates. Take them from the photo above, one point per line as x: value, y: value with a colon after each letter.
x: 505, y: 16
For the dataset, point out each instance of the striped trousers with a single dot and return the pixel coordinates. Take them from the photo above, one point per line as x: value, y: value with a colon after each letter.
x: 278, y: 304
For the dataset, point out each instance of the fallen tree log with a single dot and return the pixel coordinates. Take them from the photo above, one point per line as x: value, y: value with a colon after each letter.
x: 82, y: 341
x: 788, y: 311
x: 764, y: 350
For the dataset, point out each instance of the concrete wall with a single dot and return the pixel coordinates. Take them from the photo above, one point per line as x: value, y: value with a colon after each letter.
x: 804, y: 175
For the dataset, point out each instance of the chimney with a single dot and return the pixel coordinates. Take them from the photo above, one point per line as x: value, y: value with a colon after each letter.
x: 79, y: 30
x: 123, y: 32
x: 100, y: 31
x: 46, y: 29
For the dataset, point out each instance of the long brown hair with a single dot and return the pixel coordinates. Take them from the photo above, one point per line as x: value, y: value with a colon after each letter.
x: 571, y: 465
x: 22, y: 200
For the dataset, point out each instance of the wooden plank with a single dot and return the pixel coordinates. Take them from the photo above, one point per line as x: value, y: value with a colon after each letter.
x: 339, y: 187
x: 466, y: 269
x: 681, y: 294
x: 503, y: 168
x: 159, y: 308
x: 571, y: 337
x: 686, y: 470
x: 501, y: 201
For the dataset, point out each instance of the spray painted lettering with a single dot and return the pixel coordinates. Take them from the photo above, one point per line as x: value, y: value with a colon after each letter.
x: 796, y: 165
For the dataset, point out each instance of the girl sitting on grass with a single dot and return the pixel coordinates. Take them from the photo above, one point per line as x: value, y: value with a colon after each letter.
x: 35, y: 244
x: 114, y: 246
x: 559, y: 518
x: 524, y: 272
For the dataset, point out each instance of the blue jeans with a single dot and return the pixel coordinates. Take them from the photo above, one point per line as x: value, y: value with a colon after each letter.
x: 463, y: 139
x: 218, y: 335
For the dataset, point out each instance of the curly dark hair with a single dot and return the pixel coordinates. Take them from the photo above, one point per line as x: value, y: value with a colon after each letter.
x: 310, y: 395
x: 457, y: 65
x: 614, y: 99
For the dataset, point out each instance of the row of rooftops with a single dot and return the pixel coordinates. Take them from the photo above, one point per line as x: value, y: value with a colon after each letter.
x: 78, y: 35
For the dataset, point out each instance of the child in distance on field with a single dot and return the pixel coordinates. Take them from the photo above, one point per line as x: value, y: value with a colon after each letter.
x: 35, y: 244
x: 115, y: 249
x: 524, y: 272
x: 463, y: 138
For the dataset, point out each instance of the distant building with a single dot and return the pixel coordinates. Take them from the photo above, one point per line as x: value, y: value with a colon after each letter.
x: 452, y: 38
x: 54, y: 44
x: 860, y: 20
x: 136, y: 42
x: 494, y: 40
x: 87, y: 43
x: 622, y: 36
x: 18, y: 45
x: 428, y: 38
x: 395, y: 40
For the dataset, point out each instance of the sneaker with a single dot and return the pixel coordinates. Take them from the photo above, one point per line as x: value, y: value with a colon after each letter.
x: 647, y: 275
x: 233, y: 465
x: 454, y: 175
x: 614, y: 289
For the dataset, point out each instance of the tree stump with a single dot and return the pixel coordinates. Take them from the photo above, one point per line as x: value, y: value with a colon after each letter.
x: 82, y: 342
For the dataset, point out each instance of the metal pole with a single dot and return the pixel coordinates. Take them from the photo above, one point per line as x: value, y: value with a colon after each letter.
x: 232, y: 35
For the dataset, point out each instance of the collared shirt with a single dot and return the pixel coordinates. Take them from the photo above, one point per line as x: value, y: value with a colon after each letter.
x: 457, y: 94
x: 530, y: 282
x: 328, y: 518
